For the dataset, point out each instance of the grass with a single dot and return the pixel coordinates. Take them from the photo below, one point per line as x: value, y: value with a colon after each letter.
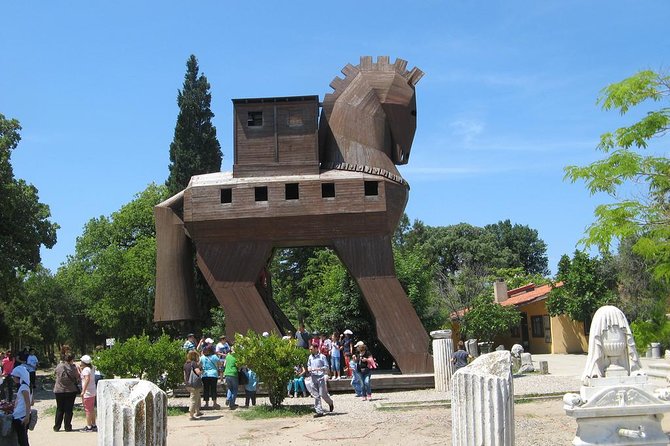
x: 176, y: 410
x: 266, y: 412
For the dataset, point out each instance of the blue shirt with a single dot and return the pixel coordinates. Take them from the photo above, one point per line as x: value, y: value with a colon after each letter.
x: 210, y: 366
x: 252, y: 381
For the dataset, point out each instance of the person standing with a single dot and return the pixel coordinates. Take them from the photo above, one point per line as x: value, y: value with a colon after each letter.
x: 88, y: 392
x: 190, y: 342
x: 250, y: 387
x: 66, y: 390
x: 460, y: 358
x: 232, y: 381
x: 335, y: 356
x: 302, y: 337
x: 21, y: 414
x: 192, y: 364
x: 209, y: 364
x: 8, y: 363
x: 31, y: 365
x: 317, y: 366
x: 364, y: 362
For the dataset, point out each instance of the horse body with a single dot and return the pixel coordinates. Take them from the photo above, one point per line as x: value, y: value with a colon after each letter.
x: 366, y: 127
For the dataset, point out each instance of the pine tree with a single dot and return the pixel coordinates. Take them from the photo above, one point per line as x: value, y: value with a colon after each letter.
x: 194, y: 149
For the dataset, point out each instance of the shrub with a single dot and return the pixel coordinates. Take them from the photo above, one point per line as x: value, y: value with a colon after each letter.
x: 272, y: 358
x: 160, y: 362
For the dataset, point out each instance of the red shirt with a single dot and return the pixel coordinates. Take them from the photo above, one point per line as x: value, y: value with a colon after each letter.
x: 7, y: 366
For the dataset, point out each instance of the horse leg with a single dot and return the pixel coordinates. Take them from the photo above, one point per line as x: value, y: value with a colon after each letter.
x: 370, y: 261
x: 232, y: 270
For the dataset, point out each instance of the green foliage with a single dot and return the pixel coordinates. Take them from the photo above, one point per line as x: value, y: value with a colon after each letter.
x: 272, y: 358
x: 194, y: 149
x: 520, y: 246
x: 25, y: 224
x: 487, y: 319
x: 265, y: 412
x: 518, y: 277
x: 218, y: 326
x: 160, y: 361
x: 588, y: 284
x: 638, y: 184
x: 112, y: 274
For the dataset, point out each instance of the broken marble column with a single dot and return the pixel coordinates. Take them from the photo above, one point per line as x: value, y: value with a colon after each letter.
x: 131, y: 412
x: 482, y: 402
x: 443, y: 349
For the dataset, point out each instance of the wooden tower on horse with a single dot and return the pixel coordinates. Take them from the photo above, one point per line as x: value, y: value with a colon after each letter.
x: 300, y: 181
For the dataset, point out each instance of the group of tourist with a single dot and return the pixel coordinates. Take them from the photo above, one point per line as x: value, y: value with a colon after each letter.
x: 19, y: 372
x: 205, y: 365
x: 331, y: 357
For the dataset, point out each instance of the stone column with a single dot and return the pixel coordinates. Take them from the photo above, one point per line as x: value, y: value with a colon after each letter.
x: 443, y: 348
x: 131, y: 412
x: 482, y: 402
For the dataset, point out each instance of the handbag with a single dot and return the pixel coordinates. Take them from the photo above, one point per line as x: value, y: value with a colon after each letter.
x: 33, y: 419
x: 194, y: 380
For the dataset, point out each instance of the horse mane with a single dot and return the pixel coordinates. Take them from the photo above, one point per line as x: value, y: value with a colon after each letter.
x: 366, y: 64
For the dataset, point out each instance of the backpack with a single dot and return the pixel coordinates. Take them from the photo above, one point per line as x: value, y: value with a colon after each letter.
x: 194, y: 380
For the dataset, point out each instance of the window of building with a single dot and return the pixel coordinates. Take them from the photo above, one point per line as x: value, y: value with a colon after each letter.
x: 255, y: 119
x: 537, y: 326
x: 327, y: 190
x: 261, y: 193
x: 291, y: 191
x: 371, y: 188
x: 226, y: 195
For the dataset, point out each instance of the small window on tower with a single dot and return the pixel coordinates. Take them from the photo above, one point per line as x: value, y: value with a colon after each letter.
x: 327, y: 190
x: 261, y: 193
x: 226, y: 195
x: 291, y: 191
x: 255, y: 119
x: 371, y: 188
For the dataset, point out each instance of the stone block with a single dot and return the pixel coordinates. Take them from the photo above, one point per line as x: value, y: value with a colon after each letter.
x: 131, y: 412
x: 544, y: 367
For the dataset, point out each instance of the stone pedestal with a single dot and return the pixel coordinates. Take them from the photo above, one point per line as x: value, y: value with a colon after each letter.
x: 131, y: 412
x: 482, y: 403
x: 544, y: 368
x: 443, y: 348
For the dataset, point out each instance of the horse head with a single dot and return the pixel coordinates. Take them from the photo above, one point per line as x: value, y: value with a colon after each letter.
x: 370, y: 118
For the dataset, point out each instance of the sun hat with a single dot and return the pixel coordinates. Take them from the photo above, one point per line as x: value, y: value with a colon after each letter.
x: 209, y: 341
x: 349, y: 332
x: 85, y: 359
x: 21, y: 373
x: 266, y: 334
x: 359, y: 343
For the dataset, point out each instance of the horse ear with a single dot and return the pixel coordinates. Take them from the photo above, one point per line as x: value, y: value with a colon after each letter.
x: 415, y: 76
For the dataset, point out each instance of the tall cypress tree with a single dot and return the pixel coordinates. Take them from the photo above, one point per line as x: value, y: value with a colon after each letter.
x: 194, y: 149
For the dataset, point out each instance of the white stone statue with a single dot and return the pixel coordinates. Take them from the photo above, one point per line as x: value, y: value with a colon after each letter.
x: 611, y: 345
x: 616, y: 404
x: 517, y: 349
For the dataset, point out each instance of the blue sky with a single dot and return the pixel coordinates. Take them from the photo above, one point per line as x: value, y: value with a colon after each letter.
x: 508, y: 99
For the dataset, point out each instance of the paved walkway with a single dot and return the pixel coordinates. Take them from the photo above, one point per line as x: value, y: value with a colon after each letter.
x: 224, y: 427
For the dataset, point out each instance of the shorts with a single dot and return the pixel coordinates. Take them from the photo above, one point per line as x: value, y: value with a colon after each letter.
x: 89, y: 404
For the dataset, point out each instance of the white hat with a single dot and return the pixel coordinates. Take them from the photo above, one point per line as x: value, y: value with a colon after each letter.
x: 21, y: 373
x: 286, y: 338
x: 209, y: 341
x: 86, y: 359
x: 359, y: 343
x: 266, y: 334
x: 349, y: 332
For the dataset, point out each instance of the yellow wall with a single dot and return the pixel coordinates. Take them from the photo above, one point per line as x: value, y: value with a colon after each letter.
x: 568, y: 335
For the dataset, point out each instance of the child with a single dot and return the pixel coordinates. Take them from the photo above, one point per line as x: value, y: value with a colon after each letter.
x: 356, y: 381
x: 250, y: 388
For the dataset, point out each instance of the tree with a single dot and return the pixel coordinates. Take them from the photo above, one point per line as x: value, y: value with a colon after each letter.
x: 486, y: 319
x: 194, y: 149
x: 25, y: 224
x: 520, y: 246
x: 639, y: 184
x: 272, y: 358
x: 588, y: 284
x: 112, y: 274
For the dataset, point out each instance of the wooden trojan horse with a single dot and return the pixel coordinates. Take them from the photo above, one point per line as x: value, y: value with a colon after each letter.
x: 298, y: 181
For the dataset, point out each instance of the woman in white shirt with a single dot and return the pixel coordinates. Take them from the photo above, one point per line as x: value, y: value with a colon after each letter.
x: 21, y: 414
x: 88, y: 392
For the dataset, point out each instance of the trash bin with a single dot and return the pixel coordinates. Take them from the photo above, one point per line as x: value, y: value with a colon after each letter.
x: 656, y: 350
